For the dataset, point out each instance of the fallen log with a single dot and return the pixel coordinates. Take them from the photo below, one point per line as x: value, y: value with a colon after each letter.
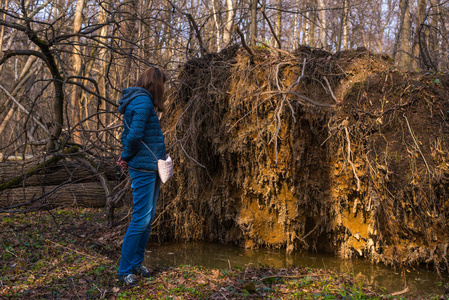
x: 81, y: 194
x: 51, y: 175
x: 18, y: 179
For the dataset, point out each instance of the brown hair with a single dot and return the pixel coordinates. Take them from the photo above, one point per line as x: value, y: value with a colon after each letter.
x: 153, y: 79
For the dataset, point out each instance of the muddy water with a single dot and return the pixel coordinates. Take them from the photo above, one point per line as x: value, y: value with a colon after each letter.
x: 420, y: 281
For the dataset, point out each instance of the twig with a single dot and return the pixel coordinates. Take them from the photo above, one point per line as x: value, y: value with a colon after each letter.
x: 74, y: 287
x: 291, y: 276
x: 242, y: 38
x: 185, y: 152
x: 278, y: 128
x: 99, y: 130
x: 251, y: 111
x: 349, y: 158
x: 25, y: 110
x: 274, y: 49
x: 277, y: 73
x: 194, y: 26
x: 160, y: 214
x: 417, y: 146
x: 271, y: 27
x: 399, y: 292
x: 73, y: 250
x: 330, y: 89
x: 301, y: 97
x: 299, y: 78
x: 311, y: 231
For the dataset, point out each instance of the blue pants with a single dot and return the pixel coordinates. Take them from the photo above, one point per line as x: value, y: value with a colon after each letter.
x: 145, y: 188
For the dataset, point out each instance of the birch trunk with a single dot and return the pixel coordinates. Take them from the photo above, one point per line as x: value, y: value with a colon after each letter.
x: 322, y: 23
x: 217, y: 26
x: 229, y: 22
x: 306, y: 32
x: 345, y: 43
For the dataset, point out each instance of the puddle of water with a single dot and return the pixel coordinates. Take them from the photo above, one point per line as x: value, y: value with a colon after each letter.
x: 421, y: 282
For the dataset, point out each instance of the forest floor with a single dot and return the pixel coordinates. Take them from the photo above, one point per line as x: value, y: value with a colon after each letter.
x: 58, y: 254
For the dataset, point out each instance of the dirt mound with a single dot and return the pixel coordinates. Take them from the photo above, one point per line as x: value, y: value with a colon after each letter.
x: 309, y: 151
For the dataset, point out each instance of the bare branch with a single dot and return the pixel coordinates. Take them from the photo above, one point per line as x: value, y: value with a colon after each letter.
x: 242, y: 38
x: 11, y: 53
x: 24, y: 109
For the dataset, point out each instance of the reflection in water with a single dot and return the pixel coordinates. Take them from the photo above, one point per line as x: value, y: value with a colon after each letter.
x: 421, y: 282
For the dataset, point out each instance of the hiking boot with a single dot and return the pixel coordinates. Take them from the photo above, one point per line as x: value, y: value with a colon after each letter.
x: 128, y: 280
x: 142, y: 271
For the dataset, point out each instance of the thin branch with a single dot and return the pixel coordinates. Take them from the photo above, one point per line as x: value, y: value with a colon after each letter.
x: 300, y: 77
x: 349, y: 158
x: 194, y: 26
x: 242, y: 38
x: 271, y: 27
x: 24, y: 109
x: 96, y: 94
x: 185, y: 152
x: 417, y: 146
x: 11, y: 53
x: 99, y: 130
x: 12, y: 25
x: 301, y: 97
x: 330, y: 89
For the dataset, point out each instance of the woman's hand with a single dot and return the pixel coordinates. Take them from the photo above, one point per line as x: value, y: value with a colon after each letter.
x: 122, y: 164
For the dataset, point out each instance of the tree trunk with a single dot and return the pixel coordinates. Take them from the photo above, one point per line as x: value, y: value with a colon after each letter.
x: 402, y: 56
x: 279, y: 22
x: 102, y: 55
x: 76, y: 65
x: 2, y: 32
x: 253, y: 22
x: 25, y: 74
x: 421, y: 6
x: 229, y: 22
x: 81, y: 194
x: 322, y: 23
x: 313, y: 27
x: 296, y: 32
x: 52, y: 172
x: 306, y: 32
x: 130, y: 32
x: 345, y: 43
x: 443, y: 63
x: 343, y: 34
x: 217, y: 25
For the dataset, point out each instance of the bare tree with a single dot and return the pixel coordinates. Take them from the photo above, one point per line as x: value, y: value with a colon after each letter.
x: 322, y: 23
x: 76, y: 62
x: 420, y: 16
x: 253, y: 21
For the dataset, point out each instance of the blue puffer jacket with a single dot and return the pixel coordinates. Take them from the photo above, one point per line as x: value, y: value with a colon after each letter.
x: 141, y: 124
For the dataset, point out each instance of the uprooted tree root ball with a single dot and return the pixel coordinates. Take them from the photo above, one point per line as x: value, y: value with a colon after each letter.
x: 309, y: 151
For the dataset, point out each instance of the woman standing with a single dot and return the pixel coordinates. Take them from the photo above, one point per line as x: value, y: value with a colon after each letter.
x: 142, y: 141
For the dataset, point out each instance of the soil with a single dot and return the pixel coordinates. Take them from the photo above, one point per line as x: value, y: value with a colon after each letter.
x: 310, y: 151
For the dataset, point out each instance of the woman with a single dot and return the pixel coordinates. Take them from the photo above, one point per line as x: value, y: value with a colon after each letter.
x: 142, y: 140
